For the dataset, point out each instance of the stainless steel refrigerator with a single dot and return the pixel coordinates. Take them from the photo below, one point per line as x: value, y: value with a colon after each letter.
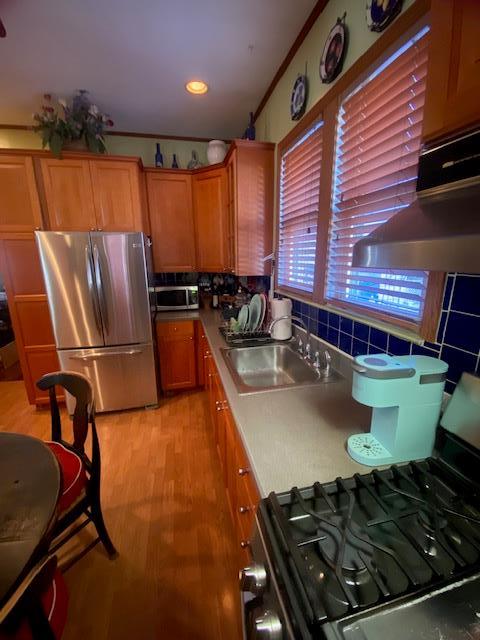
x: 97, y: 289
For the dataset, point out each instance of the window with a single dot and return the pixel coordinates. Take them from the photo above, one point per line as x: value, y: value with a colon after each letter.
x: 377, y: 147
x: 298, y: 211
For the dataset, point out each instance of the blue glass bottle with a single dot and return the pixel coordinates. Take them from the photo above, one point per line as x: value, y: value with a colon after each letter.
x: 250, y: 130
x: 158, y: 157
x: 174, y: 161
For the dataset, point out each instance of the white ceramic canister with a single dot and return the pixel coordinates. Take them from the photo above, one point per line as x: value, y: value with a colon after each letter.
x: 216, y: 151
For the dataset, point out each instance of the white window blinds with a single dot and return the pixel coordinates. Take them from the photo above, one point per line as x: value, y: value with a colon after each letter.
x: 377, y: 148
x: 298, y: 212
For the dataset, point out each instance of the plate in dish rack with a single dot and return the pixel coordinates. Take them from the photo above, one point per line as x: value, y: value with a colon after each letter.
x: 255, y: 313
x: 243, y: 317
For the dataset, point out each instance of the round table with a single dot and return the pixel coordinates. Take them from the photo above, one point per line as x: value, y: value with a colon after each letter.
x: 29, y: 489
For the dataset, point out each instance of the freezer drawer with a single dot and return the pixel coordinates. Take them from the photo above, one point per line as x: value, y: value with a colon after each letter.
x: 121, y: 377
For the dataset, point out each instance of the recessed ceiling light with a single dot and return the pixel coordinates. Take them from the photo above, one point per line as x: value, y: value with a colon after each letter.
x: 197, y: 87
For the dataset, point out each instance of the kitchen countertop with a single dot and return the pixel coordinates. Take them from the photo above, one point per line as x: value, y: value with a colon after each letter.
x: 292, y: 437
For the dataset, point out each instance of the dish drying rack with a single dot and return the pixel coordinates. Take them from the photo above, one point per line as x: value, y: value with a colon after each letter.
x: 246, y: 338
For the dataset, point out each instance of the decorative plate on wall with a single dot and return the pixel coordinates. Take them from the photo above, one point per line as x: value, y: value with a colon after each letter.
x: 298, y: 101
x: 381, y: 12
x: 331, y: 62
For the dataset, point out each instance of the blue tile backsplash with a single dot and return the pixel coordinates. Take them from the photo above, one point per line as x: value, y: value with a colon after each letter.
x: 458, y: 335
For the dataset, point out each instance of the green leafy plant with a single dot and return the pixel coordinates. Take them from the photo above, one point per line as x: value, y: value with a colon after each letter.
x: 65, y: 124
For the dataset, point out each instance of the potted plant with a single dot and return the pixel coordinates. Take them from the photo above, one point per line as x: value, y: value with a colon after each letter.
x: 81, y: 124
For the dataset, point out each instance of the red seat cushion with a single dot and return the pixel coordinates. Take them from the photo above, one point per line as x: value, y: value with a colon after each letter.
x: 74, y: 478
x: 55, y: 605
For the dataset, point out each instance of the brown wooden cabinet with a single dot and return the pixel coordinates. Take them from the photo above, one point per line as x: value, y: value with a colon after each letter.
x: 84, y: 195
x: 242, y: 492
x: 68, y: 194
x: 171, y: 219
x: 203, y: 353
x: 116, y: 193
x: 452, y: 101
x: 27, y: 303
x: 217, y: 218
x: 211, y: 220
x: 177, y: 354
x: 19, y: 203
x: 250, y: 170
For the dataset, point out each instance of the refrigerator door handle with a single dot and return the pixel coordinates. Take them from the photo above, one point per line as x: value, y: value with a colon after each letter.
x: 100, y: 289
x: 98, y: 356
x: 91, y: 288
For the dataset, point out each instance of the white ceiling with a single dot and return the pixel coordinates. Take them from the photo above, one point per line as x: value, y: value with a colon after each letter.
x: 135, y: 56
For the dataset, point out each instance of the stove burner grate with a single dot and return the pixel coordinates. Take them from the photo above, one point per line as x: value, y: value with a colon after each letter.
x: 358, y: 542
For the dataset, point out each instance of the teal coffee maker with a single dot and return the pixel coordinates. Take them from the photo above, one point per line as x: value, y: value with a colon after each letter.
x: 406, y: 395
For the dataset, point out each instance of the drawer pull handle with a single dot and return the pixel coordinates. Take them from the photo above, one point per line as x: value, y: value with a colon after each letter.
x: 243, y: 472
x: 244, y: 509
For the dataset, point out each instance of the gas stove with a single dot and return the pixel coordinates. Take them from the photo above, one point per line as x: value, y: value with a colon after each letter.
x: 363, y: 557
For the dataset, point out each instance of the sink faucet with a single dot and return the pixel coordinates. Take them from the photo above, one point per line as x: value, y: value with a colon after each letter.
x: 328, y: 359
x: 304, y: 325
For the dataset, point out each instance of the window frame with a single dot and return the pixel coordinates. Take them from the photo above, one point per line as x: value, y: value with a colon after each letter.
x: 404, y: 28
x: 283, y: 147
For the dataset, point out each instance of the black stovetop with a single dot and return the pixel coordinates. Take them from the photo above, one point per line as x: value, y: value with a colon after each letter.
x: 352, y: 544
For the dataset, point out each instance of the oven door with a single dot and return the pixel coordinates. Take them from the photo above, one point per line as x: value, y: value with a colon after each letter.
x: 450, y: 613
x: 171, y: 298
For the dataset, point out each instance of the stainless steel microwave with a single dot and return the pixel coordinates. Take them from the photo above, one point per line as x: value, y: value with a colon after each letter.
x: 175, y: 298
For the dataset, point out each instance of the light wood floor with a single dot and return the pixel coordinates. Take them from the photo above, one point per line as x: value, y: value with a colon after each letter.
x: 165, y: 508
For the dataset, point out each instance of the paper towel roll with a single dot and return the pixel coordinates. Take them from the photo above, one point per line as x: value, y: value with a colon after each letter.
x: 282, y: 330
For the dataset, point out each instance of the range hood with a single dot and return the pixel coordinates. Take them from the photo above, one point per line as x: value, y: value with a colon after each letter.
x: 440, y: 230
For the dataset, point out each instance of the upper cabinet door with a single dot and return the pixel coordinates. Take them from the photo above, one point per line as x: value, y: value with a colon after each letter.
x: 68, y: 194
x: 19, y: 203
x: 252, y: 191
x: 453, y: 79
x: 116, y: 192
x: 211, y: 220
x: 171, y: 221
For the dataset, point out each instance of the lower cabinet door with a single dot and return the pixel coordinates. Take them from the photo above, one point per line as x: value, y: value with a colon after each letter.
x: 41, y: 360
x: 121, y: 377
x: 177, y: 362
x: 231, y: 474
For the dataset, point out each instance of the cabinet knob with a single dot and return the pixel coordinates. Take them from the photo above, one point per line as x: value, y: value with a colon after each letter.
x: 244, y: 509
x: 92, y: 229
x: 37, y: 228
x: 100, y: 229
x: 243, y: 471
x: 245, y: 544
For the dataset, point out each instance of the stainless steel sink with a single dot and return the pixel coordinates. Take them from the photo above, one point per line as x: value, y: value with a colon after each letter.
x: 272, y: 366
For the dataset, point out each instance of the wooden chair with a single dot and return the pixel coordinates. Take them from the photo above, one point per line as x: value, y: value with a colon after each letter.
x: 37, y: 609
x: 80, y: 474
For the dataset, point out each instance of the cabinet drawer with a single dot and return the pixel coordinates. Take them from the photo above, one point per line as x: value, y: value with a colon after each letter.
x: 246, y: 482
x: 179, y: 328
